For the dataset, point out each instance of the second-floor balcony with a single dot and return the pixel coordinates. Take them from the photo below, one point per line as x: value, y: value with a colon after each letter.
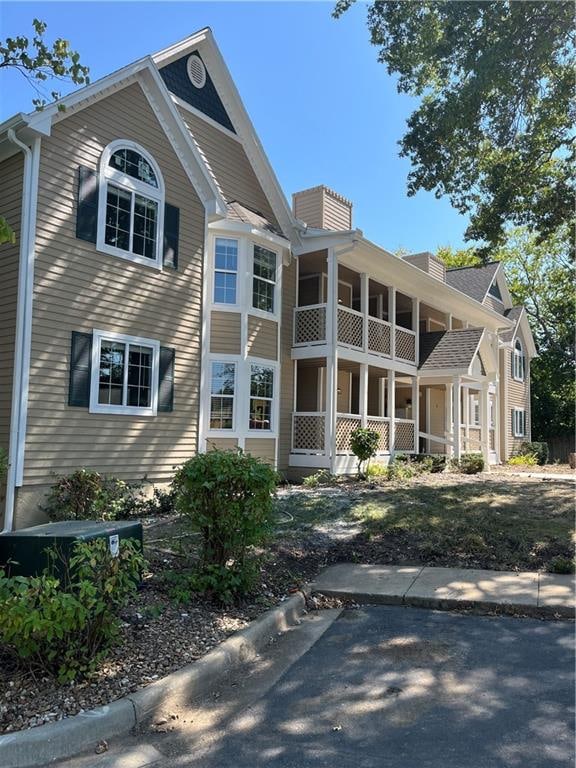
x: 354, y: 330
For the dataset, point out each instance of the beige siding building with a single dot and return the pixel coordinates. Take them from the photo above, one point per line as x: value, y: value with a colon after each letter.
x: 162, y: 298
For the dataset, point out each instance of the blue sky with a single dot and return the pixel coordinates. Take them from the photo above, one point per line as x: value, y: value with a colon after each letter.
x: 325, y: 110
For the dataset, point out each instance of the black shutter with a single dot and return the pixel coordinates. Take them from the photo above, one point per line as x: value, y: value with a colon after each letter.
x: 80, y: 369
x: 171, y: 233
x: 166, y: 380
x: 87, y: 210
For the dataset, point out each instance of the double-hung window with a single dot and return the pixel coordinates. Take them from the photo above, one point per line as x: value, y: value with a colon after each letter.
x: 518, y: 361
x: 264, y: 279
x: 475, y: 411
x: 222, y: 389
x: 132, y: 201
x: 225, y: 271
x: 261, y: 396
x: 519, y: 422
x: 124, y: 374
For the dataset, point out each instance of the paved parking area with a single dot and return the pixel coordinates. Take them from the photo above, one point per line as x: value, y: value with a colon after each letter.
x: 402, y: 687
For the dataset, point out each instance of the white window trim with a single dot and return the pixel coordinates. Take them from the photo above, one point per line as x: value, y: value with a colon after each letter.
x: 241, y: 419
x: 271, y: 400
x: 107, y: 176
x: 224, y: 304
x: 125, y: 410
x: 519, y: 431
x: 274, y: 315
x: 518, y: 355
x: 223, y: 432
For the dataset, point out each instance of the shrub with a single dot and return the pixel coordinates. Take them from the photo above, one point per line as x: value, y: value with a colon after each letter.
x: 88, y: 495
x: 402, y: 468
x: 227, y: 497
x: 322, y: 477
x: 560, y: 564
x: 3, y: 465
x: 471, y: 463
x: 540, y: 450
x: 364, y: 444
x: 66, y: 631
x: 376, y: 470
x: 527, y: 460
x: 431, y: 462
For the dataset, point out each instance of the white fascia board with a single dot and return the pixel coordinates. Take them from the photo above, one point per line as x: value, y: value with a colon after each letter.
x: 409, y: 278
x: 174, y: 51
x: 324, y: 240
x: 523, y: 324
x: 243, y: 228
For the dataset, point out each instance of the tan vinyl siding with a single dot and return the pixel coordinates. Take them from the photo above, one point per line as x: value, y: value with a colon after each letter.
x: 221, y: 443
x: 429, y: 263
x: 11, y: 171
x: 225, y: 333
x: 286, y: 392
x: 262, y: 338
x: 78, y: 288
x: 230, y: 166
x: 336, y: 214
x: 308, y: 208
x: 262, y: 447
x: 494, y: 304
x: 518, y: 397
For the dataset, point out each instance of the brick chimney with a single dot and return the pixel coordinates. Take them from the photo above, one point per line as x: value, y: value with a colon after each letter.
x: 322, y: 208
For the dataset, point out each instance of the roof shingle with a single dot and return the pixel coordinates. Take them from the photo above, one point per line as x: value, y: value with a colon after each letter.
x: 514, y: 315
x: 449, y: 349
x: 473, y: 281
x: 239, y: 212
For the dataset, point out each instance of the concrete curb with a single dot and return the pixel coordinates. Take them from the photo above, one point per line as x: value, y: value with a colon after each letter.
x: 37, y: 747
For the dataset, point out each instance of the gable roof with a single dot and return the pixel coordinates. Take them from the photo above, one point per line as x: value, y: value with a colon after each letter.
x: 473, y: 281
x: 449, y: 350
x: 513, y: 314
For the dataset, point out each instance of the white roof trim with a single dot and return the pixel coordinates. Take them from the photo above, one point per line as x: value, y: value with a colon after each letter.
x: 527, y: 335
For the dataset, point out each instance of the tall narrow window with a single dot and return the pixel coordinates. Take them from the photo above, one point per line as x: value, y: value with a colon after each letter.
x: 132, y: 204
x: 519, y: 422
x: 518, y: 362
x: 125, y: 374
x: 264, y: 279
x: 261, y: 394
x: 225, y: 270
x: 222, y: 388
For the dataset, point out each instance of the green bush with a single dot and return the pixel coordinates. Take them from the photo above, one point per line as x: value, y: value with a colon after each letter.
x: 88, y: 495
x: 431, y: 462
x: 3, y: 465
x: 227, y: 497
x: 322, y: 477
x: 376, y: 470
x: 469, y: 463
x: 66, y: 631
x: 402, y: 468
x: 540, y: 450
x: 560, y: 564
x: 364, y: 445
x: 527, y: 460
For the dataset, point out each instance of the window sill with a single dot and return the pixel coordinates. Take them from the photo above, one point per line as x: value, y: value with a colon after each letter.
x: 122, y: 410
x: 141, y: 260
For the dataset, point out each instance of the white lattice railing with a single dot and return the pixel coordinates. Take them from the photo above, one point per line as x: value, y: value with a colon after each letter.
x: 310, y: 325
x: 380, y: 424
x: 404, y: 435
x: 405, y: 346
x: 308, y: 432
x: 346, y: 423
x: 350, y: 327
x: 379, y: 333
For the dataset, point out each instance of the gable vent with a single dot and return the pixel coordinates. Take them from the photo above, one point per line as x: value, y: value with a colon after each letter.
x: 196, y: 71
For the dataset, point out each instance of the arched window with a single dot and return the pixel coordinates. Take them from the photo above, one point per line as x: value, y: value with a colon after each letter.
x: 131, y: 204
x: 519, y: 361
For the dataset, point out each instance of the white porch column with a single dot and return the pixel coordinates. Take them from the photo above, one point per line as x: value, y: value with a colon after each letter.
x: 363, y: 393
x: 457, y: 418
x: 448, y: 414
x: 416, y: 411
x: 484, y: 422
x: 466, y: 416
x: 496, y: 412
x: 382, y: 396
x: 392, y: 408
x: 364, y: 299
x: 416, y: 327
x: 332, y: 357
x: 332, y: 299
x: 392, y: 320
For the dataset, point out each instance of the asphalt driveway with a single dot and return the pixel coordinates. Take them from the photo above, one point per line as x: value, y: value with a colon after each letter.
x: 394, y: 687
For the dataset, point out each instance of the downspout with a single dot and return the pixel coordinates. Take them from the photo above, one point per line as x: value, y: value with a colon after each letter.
x: 19, y: 404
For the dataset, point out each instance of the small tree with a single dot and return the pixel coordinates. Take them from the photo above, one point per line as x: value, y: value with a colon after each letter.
x: 364, y: 444
x: 227, y: 496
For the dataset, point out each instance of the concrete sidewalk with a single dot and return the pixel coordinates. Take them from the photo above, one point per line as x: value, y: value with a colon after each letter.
x: 545, y: 476
x: 529, y: 592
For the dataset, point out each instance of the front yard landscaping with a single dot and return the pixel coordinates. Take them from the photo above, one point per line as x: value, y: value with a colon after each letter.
x: 491, y: 520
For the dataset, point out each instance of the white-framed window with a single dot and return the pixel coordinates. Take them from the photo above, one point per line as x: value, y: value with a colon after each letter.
x: 519, y: 422
x: 222, y: 393
x: 225, y: 271
x: 131, y: 204
x: 264, y: 279
x: 491, y: 413
x: 261, y: 397
x: 124, y: 378
x: 475, y: 410
x: 518, y: 361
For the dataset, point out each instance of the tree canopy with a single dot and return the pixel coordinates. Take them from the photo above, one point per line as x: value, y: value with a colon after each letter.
x: 494, y: 130
x: 38, y: 62
x: 540, y: 276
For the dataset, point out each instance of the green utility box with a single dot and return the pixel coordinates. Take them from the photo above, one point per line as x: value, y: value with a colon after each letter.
x: 23, y: 552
